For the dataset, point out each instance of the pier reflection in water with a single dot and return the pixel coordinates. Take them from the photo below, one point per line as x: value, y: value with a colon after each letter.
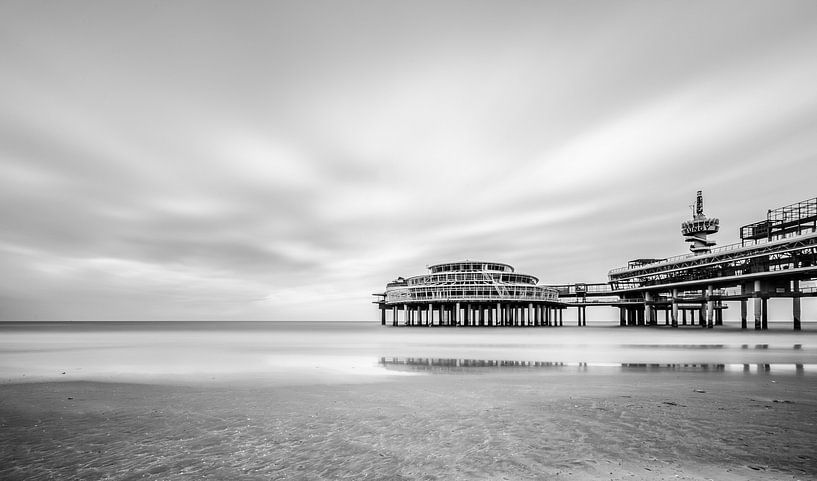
x: 478, y: 366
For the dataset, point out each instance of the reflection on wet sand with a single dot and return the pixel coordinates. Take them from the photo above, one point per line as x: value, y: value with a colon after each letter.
x: 443, y: 366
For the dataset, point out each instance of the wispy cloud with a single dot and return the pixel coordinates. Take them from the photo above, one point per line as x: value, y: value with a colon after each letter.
x: 286, y: 160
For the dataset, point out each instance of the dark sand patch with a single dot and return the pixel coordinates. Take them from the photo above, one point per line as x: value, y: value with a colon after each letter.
x: 526, y: 425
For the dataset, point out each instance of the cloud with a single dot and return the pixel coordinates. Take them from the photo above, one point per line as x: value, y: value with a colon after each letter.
x: 284, y: 161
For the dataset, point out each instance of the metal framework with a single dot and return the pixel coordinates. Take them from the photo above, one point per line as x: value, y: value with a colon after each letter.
x: 725, y: 263
x: 790, y: 219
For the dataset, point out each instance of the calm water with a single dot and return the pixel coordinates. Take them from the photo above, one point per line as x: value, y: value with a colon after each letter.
x: 287, y: 353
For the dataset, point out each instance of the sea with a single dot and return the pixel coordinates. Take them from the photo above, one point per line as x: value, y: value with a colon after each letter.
x: 299, y: 353
x: 357, y: 400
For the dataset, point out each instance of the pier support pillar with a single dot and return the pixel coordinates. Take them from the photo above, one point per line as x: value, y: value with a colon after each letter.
x: 758, y: 305
x: 764, y: 316
x: 455, y: 318
x: 795, y: 304
x: 710, y: 308
x: 647, y: 308
x: 743, y: 309
x: 703, y: 314
x: 498, y: 320
x: 383, y: 315
x: 560, y: 317
x: 719, y: 313
x: 430, y: 315
x: 675, y: 308
x: 621, y: 320
x: 530, y: 314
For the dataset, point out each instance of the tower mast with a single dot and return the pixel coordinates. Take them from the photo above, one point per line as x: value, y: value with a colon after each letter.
x: 699, y: 227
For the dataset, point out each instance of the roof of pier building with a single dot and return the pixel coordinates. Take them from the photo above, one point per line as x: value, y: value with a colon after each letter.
x: 470, y: 266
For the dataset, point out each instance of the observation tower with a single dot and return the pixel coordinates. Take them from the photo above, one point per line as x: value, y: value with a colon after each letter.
x: 699, y: 227
x: 470, y: 293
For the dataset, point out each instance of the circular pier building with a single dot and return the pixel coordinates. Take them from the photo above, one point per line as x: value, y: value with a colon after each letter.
x: 470, y: 293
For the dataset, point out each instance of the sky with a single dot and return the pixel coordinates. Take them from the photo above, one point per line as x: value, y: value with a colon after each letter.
x: 195, y: 160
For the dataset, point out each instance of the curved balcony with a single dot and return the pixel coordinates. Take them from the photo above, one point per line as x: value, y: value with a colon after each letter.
x: 432, y: 294
x: 472, y: 278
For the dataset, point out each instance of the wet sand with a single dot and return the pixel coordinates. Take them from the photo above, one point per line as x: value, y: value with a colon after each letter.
x: 603, y: 423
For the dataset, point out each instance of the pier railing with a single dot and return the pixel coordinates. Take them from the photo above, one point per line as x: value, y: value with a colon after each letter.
x: 717, y: 250
x: 580, y: 289
x: 726, y: 261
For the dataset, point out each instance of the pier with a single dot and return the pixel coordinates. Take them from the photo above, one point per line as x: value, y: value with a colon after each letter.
x: 773, y: 258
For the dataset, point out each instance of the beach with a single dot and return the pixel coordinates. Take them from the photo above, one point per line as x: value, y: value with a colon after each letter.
x: 494, y: 416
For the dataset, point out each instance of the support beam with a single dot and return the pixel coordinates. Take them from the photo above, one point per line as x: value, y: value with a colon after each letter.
x: 764, y: 317
x: 675, y: 308
x: 710, y: 307
x: 795, y: 304
x: 743, y: 309
x: 647, y: 307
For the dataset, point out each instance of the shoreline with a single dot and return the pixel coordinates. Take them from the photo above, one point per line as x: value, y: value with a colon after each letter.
x: 523, y: 425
